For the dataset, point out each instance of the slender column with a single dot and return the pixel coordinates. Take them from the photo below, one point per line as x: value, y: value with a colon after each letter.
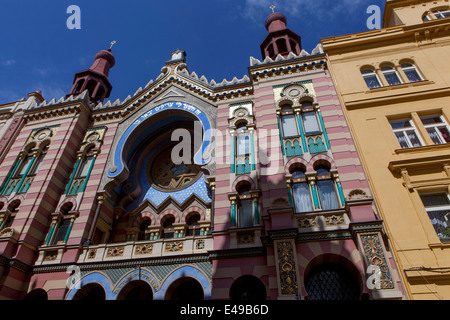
x: 289, y: 185
x: 89, y: 172
x: 100, y: 199
x: 233, y: 199
x: 312, y: 185
x: 233, y: 150
x: 300, y: 128
x: 52, y: 229
x: 72, y: 219
x: 281, y: 132
x: 322, y: 124
x: 255, y: 198
x: 74, y: 173
x: 339, y: 187
x: 252, y: 149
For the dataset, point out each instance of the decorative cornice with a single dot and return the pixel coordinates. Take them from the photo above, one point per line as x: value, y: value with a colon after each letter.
x: 237, y: 253
x: 123, y: 263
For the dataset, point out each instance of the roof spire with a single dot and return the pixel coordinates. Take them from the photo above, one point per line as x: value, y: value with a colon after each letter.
x: 112, y: 43
x: 273, y: 8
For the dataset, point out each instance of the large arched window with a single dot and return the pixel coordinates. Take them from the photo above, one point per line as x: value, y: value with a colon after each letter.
x: 248, y: 288
x: 289, y: 124
x: 245, y: 206
x: 330, y: 281
x: 193, y: 227
x: 10, y: 214
x: 26, y: 168
x: 82, y: 170
x: 168, y: 228
x: 143, y: 230
x: 300, y: 191
x: 63, y: 226
x: 326, y: 189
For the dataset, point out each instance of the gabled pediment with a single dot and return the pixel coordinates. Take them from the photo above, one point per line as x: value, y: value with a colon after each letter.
x: 172, y: 93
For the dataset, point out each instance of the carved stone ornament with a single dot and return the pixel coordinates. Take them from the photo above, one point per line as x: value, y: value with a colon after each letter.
x: 7, y: 232
x: 144, y: 249
x: 375, y: 256
x: 200, y: 244
x: 305, y: 223
x: 286, y: 267
x: 92, y: 253
x: 174, y: 246
x: 115, y: 252
x: 50, y: 255
x: 334, y: 220
x: 246, y: 237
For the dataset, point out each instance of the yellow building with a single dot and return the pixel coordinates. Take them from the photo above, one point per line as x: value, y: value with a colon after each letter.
x: 394, y: 84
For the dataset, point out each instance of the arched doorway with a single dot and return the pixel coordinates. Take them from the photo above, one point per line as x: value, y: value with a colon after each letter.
x: 185, y: 289
x: 136, y: 290
x: 91, y: 291
x: 248, y: 288
x: 331, y: 281
x: 37, y: 295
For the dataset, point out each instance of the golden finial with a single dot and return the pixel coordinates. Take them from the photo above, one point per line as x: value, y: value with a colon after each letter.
x: 112, y: 43
x: 273, y: 8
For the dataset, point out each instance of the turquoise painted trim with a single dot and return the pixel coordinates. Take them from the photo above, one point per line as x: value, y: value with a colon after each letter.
x: 256, y: 211
x: 88, y: 174
x: 50, y: 234
x: 30, y: 165
x: 302, y: 133
x: 73, y: 175
x: 13, y: 172
x: 233, y: 215
x: 233, y: 156
x: 341, y: 193
x: 66, y: 237
x: 324, y: 131
x: 290, y: 197
x: 281, y: 135
x: 252, y: 150
x: 315, y: 197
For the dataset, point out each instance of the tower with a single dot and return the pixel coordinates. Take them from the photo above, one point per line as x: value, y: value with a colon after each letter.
x: 280, y: 39
x: 95, y: 79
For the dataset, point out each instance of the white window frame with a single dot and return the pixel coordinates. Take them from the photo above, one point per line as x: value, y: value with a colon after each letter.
x: 440, y: 12
x: 412, y: 67
x: 371, y: 74
x: 404, y: 130
x: 436, y: 125
x: 437, y: 207
x: 390, y: 71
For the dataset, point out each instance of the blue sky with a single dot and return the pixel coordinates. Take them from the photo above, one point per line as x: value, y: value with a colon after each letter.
x: 39, y: 52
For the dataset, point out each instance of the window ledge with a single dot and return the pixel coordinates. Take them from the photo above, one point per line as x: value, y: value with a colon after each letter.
x: 399, y: 86
x: 423, y: 148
